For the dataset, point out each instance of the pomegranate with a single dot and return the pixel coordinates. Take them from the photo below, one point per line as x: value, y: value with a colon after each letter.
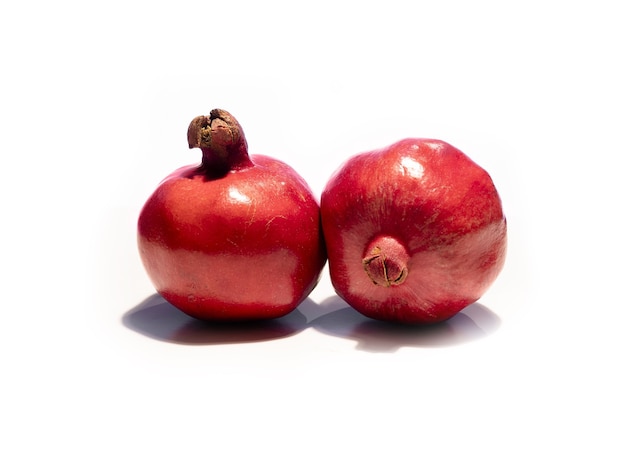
x: 237, y: 237
x: 415, y: 232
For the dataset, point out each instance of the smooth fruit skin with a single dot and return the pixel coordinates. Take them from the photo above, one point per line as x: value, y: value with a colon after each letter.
x: 243, y: 245
x: 415, y: 232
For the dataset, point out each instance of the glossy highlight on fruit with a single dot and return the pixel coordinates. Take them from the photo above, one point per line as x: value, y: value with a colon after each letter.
x: 237, y: 237
x: 415, y: 232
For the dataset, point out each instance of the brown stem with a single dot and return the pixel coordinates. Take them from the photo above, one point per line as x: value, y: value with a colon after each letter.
x: 222, y: 141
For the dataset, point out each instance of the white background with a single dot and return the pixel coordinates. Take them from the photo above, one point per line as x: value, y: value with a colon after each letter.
x: 97, y: 372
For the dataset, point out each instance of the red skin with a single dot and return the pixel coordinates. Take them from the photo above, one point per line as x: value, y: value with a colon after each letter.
x: 436, y: 219
x: 244, y: 245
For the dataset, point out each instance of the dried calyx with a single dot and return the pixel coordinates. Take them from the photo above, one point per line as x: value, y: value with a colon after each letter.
x: 222, y: 141
x: 385, y: 261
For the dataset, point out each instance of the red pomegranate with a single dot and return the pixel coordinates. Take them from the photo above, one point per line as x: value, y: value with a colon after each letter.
x: 237, y: 237
x: 415, y: 232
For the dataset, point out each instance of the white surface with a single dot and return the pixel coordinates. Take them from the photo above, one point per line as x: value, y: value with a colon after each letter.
x: 98, y: 373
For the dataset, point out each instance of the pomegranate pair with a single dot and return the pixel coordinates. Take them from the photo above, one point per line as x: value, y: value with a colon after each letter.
x: 413, y: 232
